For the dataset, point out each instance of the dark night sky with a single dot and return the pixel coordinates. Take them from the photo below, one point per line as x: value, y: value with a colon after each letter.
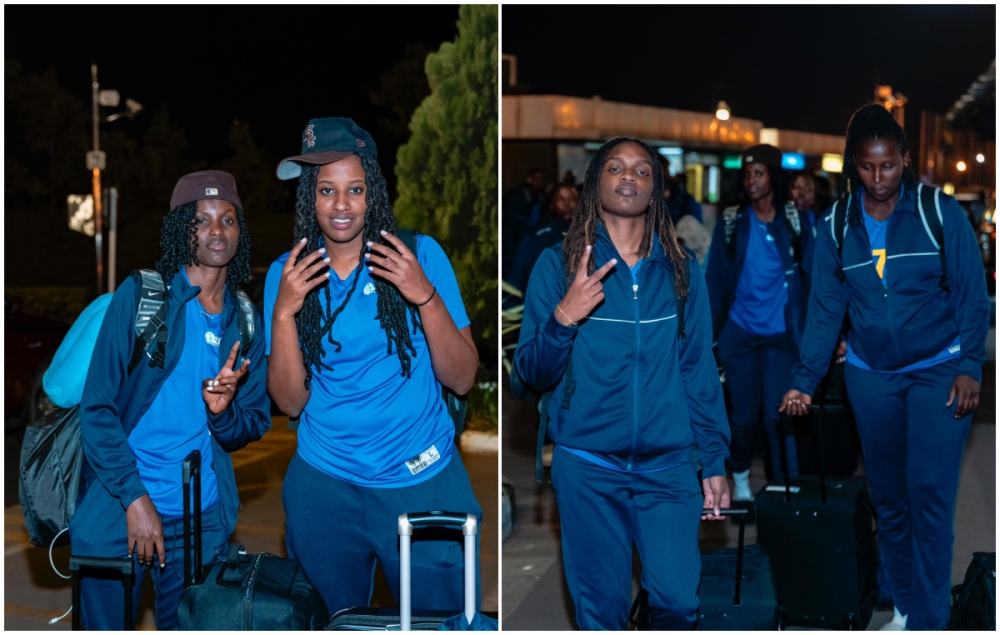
x: 274, y: 67
x: 792, y: 67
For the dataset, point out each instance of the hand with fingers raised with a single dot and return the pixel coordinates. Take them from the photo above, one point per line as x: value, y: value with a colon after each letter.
x: 398, y: 265
x: 218, y: 393
x: 299, y: 278
x: 585, y: 293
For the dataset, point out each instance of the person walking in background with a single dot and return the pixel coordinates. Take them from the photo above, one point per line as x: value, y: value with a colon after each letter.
x: 758, y: 296
x: 636, y: 397
x: 522, y: 208
x: 919, y: 319
x: 362, y: 334
x: 560, y: 206
x: 142, y: 414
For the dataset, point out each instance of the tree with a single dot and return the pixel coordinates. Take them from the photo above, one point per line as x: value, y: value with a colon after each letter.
x: 448, y: 170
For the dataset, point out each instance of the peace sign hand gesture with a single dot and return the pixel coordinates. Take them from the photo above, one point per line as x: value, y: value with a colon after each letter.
x: 298, y: 279
x: 218, y: 393
x: 585, y: 293
x: 400, y: 267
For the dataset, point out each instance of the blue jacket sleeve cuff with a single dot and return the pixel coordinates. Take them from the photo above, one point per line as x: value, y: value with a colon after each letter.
x: 558, y: 333
x: 132, y: 490
x: 970, y: 368
x: 713, y: 466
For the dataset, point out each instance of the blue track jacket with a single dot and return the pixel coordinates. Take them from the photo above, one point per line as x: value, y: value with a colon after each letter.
x: 723, y: 276
x: 911, y: 318
x: 114, y: 401
x: 642, y: 398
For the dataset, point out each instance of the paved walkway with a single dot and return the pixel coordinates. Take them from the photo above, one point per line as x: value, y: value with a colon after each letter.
x: 535, y: 596
x: 33, y: 594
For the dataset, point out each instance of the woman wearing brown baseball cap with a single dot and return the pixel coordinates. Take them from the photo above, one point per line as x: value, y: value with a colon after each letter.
x: 363, y: 333
x: 201, y: 387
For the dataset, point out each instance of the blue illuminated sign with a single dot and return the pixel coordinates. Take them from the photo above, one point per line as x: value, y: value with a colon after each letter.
x: 793, y: 160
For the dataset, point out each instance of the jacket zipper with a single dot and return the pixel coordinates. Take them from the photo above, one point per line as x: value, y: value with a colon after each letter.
x: 246, y: 598
x: 635, y: 374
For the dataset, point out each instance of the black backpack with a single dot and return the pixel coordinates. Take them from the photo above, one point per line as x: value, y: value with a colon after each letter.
x: 928, y: 199
x: 974, y: 602
x: 520, y: 390
x: 793, y: 223
x: 458, y: 407
x: 51, y: 463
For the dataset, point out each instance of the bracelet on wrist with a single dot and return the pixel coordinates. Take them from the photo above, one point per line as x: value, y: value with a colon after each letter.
x: 571, y: 322
x: 433, y: 293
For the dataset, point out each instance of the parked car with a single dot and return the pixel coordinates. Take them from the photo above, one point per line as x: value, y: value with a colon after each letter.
x: 30, y: 341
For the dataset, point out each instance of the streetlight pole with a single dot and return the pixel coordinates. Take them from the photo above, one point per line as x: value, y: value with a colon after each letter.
x: 98, y: 208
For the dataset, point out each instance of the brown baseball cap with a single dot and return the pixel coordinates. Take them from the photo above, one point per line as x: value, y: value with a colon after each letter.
x: 763, y: 153
x: 205, y: 185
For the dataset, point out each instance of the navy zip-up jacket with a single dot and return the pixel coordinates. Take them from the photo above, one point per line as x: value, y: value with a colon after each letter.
x: 723, y: 276
x: 909, y: 319
x: 642, y: 398
x: 114, y: 401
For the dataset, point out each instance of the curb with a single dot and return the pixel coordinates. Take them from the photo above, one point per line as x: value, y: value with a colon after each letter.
x: 478, y: 442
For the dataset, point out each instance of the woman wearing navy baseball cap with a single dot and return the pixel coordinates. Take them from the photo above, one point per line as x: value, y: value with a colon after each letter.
x: 362, y: 334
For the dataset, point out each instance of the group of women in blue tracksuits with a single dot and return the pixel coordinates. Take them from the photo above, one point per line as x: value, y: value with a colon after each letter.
x: 620, y: 328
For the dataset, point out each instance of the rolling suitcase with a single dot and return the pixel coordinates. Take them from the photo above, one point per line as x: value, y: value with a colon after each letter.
x: 819, y: 535
x: 125, y: 566
x: 245, y: 592
x: 404, y: 619
x: 736, y: 592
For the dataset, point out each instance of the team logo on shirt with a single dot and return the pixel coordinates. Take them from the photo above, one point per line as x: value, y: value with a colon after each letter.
x: 426, y: 458
x: 370, y: 288
x: 880, y: 263
x: 213, y: 339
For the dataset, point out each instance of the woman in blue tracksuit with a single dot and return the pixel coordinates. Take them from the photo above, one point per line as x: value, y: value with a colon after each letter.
x: 915, y: 353
x: 758, y: 293
x: 636, y: 397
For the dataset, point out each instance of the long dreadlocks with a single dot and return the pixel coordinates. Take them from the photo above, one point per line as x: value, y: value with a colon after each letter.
x: 869, y: 123
x: 313, y: 322
x: 583, y: 230
x: 179, y: 242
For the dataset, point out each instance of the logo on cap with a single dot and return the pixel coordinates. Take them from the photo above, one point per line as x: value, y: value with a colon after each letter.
x: 211, y: 191
x: 749, y: 158
x: 361, y: 143
x: 310, y: 136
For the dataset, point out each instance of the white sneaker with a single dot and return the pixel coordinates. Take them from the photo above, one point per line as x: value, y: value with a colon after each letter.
x: 898, y: 622
x: 741, y: 489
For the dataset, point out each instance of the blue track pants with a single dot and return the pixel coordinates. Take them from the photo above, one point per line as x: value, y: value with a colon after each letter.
x: 913, y: 448
x: 337, y: 530
x: 602, y: 513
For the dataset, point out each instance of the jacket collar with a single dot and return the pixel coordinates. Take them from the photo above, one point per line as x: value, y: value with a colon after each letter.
x: 907, y: 200
x: 181, y: 291
x: 656, y: 254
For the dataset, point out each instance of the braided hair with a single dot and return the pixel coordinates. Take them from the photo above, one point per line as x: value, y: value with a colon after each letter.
x: 869, y: 123
x: 583, y: 229
x: 313, y: 322
x: 179, y: 242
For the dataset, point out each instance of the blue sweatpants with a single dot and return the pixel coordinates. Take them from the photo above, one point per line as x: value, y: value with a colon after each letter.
x: 99, y: 529
x: 337, y: 530
x: 602, y: 513
x: 913, y: 449
x: 758, y: 373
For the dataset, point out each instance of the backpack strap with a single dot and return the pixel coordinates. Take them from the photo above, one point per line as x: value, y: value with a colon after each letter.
x: 246, y: 323
x: 838, y: 229
x: 409, y: 238
x: 793, y: 224
x: 729, y: 217
x: 150, y: 321
x: 929, y: 206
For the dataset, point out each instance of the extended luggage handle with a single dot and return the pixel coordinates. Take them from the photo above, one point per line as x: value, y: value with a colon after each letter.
x: 126, y: 566
x: 469, y: 525
x: 191, y: 469
x: 742, y: 513
x: 783, y: 451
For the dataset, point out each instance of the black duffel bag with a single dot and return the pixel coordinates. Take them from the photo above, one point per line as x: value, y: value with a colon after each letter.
x: 974, y: 602
x: 246, y: 592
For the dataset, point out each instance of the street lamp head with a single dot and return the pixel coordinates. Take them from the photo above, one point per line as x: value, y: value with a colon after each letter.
x: 133, y: 107
x: 109, y: 98
x: 722, y: 111
x: 980, y: 158
x: 960, y: 166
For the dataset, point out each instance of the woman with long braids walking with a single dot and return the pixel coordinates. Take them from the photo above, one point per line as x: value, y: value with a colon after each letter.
x: 362, y: 333
x: 903, y: 260
x: 617, y: 324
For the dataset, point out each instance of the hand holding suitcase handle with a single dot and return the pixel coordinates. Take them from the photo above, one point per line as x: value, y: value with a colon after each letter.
x: 419, y: 520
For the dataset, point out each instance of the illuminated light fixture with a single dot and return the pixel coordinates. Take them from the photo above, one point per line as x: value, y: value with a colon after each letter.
x: 722, y: 111
x: 888, y: 105
x: 960, y: 166
x: 732, y: 162
x: 980, y: 158
x: 948, y: 188
x: 793, y: 160
x: 833, y: 163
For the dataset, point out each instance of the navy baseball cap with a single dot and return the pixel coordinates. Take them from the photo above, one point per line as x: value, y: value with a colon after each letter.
x: 327, y: 140
x: 763, y: 153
